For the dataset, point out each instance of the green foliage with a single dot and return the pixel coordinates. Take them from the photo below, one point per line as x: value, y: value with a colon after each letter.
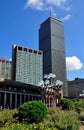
x: 73, y: 104
x: 62, y: 120
x: 67, y: 122
x: 79, y: 105
x: 56, y: 119
x: 15, y: 127
x: 46, y: 119
x: 81, y: 116
x: 19, y: 126
x: 32, y: 111
x: 6, y: 116
x: 67, y: 104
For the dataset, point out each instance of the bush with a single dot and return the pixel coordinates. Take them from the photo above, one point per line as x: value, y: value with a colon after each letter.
x: 79, y: 105
x: 67, y: 121
x: 73, y: 104
x: 32, y: 111
x: 62, y: 120
x: 6, y: 116
x: 81, y: 116
x: 67, y: 104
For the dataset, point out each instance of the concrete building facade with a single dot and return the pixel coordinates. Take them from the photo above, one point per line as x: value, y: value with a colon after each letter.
x: 5, y: 68
x: 76, y: 88
x: 13, y: 93
x: 27, y: 65
x: 51, y: 42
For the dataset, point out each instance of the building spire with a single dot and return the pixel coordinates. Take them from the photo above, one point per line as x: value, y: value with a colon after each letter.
x: 50, y: 12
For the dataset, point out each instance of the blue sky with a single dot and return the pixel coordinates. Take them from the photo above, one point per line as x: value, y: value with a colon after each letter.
x: 20, y: 21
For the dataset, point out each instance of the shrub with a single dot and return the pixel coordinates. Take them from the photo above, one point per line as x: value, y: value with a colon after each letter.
x: 79, y: 105
x: 32, y: 111
x: 81, y: 116
x: 73, y: 104
x: 6, y: 116
x: 67, y: 121
x: 67, y: 104
x: 62, y: 120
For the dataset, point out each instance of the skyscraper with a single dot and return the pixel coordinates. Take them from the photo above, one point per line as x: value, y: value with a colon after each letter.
x: 27, y: 65
x: 5, y: 68
x: 51, y: 42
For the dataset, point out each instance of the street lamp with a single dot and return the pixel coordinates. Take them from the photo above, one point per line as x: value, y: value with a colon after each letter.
x: 51, y: 77
x: 49, y: 89
x: 59, y: 84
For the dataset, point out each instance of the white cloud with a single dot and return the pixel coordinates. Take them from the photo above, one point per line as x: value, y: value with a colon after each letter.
x: 45, y: 4
x: 73, y: 63
x: 56, y: 2
x: 53, y: 5
x: 36, y: 4
x: 67, y: 17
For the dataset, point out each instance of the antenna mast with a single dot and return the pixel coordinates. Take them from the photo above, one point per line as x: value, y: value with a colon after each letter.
x: 50, y: 11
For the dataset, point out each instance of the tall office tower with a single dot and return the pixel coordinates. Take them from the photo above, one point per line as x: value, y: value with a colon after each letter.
x: 27, y: 65
x: 5, y: 68
x: 51, y: 42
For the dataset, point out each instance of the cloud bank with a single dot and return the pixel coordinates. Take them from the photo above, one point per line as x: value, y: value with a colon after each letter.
x: 73, y: 63
x: 48, y: 5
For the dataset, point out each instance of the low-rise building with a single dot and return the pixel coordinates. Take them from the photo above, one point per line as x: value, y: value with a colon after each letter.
x: 13, y: 93
x: 76, y: 88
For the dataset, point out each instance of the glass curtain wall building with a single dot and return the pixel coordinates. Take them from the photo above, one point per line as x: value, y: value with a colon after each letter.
x: 5, y: 68
x: 51, y: 42
x: 27, y: 65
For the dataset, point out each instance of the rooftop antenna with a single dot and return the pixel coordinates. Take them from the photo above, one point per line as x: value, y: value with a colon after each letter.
x: 50, y: 12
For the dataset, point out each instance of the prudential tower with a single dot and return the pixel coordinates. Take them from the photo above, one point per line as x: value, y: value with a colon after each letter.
x: 51, y: 42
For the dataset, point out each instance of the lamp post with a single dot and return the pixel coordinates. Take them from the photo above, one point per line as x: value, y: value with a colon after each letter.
x: 50, y: 90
